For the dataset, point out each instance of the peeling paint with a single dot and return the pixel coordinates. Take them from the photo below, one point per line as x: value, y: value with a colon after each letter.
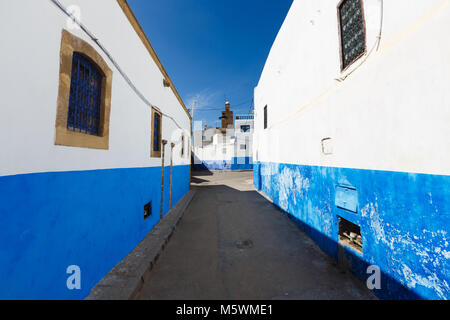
x: 402, y: 233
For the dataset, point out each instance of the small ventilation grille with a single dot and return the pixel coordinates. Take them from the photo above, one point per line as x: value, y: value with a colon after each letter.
x: 147, y: 210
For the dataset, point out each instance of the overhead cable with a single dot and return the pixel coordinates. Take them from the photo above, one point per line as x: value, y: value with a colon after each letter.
x: 113, y: 61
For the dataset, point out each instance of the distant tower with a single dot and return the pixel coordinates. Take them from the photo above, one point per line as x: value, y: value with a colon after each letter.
x: 227, y: 116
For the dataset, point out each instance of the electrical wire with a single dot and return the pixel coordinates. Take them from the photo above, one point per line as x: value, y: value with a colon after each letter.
x: 213, y: 108
x: 329, y: 90
x: 381, y: 24
x: 116, y: 65
x: 242, y: 103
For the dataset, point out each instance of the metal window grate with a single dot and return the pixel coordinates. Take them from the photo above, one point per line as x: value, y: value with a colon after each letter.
x: 353, y: 37
x: 85, y: 94
x: 156, y: 132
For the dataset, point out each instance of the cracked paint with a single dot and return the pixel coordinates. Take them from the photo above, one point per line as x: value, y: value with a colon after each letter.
x: 404, y: 220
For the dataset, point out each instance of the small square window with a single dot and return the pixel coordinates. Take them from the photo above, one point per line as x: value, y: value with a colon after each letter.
x: 243, y: 147
x: 352, y: 31
x: 245, y: 128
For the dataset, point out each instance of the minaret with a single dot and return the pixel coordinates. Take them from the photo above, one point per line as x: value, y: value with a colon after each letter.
x: 227, y: 116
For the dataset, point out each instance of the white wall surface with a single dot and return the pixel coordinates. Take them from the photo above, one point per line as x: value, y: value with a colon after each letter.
x: 392, y: 113
x: 231, y: 141
x: 31, y: 37
x: 244, y: 138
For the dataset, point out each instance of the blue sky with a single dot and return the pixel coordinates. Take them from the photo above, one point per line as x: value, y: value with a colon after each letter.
x: 212, y: 49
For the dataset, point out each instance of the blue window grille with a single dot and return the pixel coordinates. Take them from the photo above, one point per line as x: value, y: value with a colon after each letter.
x: 156, y: 132
x: 85, y: 95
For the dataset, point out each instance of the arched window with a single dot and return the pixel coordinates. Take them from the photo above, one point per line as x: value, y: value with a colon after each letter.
x: 352, y: 31
x: 85, y: 96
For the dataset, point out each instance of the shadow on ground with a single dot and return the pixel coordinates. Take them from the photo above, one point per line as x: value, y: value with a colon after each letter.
x: 234, y: 244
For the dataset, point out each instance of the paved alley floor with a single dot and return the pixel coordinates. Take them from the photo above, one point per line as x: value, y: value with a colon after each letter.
x: 234, y: 244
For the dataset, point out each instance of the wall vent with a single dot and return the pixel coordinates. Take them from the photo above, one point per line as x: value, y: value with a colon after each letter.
x: 347, y: 198
x: 350, y: 235
x: 147, y: 210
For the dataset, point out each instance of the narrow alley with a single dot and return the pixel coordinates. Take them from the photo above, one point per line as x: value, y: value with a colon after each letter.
x: 232, y: 243
x: 225, y: 150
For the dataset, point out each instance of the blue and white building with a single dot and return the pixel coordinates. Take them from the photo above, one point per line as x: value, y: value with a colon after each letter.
x: 228, y: 148
x: 352, y: 127
x: 84, y: 119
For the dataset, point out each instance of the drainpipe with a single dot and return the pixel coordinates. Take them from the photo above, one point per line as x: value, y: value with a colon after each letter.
x: 171, y: 173
x: 164, y: 142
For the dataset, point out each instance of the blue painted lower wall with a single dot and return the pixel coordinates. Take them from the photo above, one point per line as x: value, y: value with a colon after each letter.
x: 404, y: 220
x: 242, y: 163
x: 92, y: 219
x: 213, y: 165
x: 236, y: 164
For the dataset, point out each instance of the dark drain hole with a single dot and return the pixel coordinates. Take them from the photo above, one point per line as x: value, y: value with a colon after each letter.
x: 247, y: 244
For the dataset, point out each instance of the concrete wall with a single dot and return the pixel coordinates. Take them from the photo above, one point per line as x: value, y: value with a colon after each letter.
x: 64, y: 206
x: 380, y: 127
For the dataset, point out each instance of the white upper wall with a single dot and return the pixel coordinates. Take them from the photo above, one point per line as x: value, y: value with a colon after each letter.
x: 244, y: 138
x: 224, y: 147
x: 390, y: 113
x: 31, y: 35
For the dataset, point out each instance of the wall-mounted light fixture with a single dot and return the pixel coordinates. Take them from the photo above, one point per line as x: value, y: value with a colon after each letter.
x: 166, y: 83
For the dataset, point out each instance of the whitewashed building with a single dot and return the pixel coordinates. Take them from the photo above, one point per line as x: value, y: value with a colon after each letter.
x: 226, y: 148
x: 352, y: 127
x: 90, y: 123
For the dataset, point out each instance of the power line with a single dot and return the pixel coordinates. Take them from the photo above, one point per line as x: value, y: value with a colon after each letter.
x: 242, y: 103
x: 124, y: 75
x: 213, y: 108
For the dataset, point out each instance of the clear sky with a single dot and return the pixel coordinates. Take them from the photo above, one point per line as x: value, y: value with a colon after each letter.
x: 213, y: 50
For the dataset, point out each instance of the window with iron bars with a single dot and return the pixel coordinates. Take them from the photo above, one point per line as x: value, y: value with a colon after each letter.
x: 156, y: 130
x: 85, y: 96
x: 352, y: 31
x: 265, y: 117
x: 156, y: 134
